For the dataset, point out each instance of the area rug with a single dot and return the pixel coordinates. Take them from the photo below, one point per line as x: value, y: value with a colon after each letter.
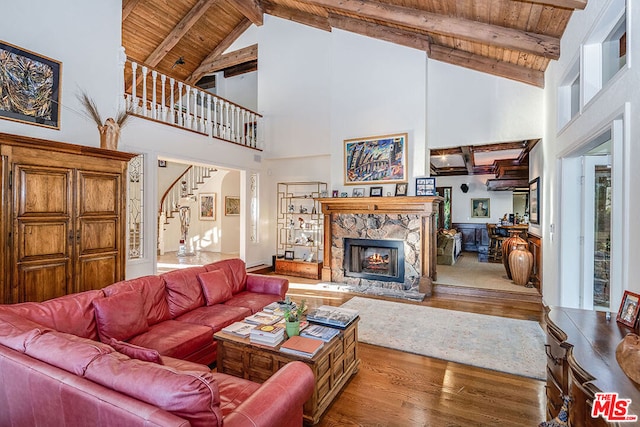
x: 491, y: 342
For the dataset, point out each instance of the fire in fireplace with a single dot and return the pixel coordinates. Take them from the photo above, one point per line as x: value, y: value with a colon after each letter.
x: 374, y: 259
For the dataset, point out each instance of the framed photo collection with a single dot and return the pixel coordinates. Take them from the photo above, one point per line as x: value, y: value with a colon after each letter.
x: 425, y: 186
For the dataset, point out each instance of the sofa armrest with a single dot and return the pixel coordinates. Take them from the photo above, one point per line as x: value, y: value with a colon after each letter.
x: 278, y: 402
x: 267, y: 284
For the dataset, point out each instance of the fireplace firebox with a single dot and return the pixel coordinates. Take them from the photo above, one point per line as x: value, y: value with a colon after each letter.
x: 374, y: 259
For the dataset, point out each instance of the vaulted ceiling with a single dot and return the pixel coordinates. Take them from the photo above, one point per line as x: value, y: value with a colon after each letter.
x: 515, y: 39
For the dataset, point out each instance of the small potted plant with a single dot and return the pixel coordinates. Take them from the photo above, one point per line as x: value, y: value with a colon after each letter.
x: 292, y: 315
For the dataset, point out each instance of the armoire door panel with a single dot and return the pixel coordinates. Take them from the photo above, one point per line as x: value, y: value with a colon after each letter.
x: 98, y: 235
x: 98, y: 193
x: 43, y: 191
x: 39, y: 240
x: 43, y: 281
x: 96, y: 272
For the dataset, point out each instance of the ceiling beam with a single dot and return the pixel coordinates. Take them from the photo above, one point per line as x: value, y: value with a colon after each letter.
x: 565, y: 4
x: 178, y: 32
x: 487, y: 65
x: 382, y: 32
x: 203, y: 68
x: 492, y: 35
x: 127, y: 8
x: 467, y: 156
x: 500, y: 146
x: 231, y: 59
x: 250, y: 9
x: 295, y: 15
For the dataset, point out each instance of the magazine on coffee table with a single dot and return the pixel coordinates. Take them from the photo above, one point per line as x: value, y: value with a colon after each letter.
x: 328, y: 315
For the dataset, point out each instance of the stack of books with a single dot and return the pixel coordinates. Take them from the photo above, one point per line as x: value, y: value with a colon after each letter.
x: 239, y: 329
x: 268, y: 335
x: 302, y: 346
x: 320, y: 332
x: 332, y: 316
x: 277, y: 307
x: 263, y: 318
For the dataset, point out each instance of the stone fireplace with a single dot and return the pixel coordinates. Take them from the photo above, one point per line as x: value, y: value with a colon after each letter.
x: 397, y: 232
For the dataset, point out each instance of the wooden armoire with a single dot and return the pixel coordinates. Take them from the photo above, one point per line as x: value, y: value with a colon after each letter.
x: 63, y: 227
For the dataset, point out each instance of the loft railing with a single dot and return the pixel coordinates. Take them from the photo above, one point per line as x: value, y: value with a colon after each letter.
x: 155, y: 96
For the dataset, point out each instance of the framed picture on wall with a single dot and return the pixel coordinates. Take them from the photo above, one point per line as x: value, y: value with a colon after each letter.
x: 480, y: 208
x: 401, y: 189
x: 34, y: 99
x: 425, y: 186
x: 629, y: 307
x: 231, y: 206
x: 534, y: 201
x: 207, y: 206
x: 375, y: 159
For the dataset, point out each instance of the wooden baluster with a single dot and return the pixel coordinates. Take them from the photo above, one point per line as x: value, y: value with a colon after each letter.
x: 209, y: 127
x: 134, y: 70
x: 199, y: 95
x: 227, y: 131
x: 172, y: 106
x: 180, y: 121
x: 145, y: 70
x: 154, y: 77
x: 188, y: 122
x: 163, y: 108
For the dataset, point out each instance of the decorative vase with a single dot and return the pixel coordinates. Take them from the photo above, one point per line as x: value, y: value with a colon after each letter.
x: 109, y: 134
x: 509, y: 245
x: 293, y: 328
x: 520, y: 263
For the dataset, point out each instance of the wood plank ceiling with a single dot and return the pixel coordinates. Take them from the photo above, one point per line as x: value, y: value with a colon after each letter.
x: 515, y: 39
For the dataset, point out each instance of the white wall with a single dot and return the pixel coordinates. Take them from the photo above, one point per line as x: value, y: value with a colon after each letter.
x: 85, y: 36
x: 230, y: 225
x: 500, y: 202
x: 619, y: 98
x: 467, y: 107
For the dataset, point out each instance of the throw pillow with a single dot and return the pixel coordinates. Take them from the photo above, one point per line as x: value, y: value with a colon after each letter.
x: 120, y: 316
x: 215, y: 286
x: 136, y: 352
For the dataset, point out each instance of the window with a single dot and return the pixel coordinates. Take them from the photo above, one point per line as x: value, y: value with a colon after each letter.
x: 569, y: 95
x: 135, y: 207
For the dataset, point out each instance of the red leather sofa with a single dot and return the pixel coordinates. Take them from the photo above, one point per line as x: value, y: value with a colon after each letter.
x: 135, y: 353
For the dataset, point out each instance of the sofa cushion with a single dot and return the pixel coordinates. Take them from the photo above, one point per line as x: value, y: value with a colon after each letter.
x: 215, y: 286
x: 184, y: 292
x: 216, y: 316
x: 192, y: 395
x: 16, y: 331
x: 135, y: 351
x: 153, y: 293
x: 251, y: 300
x: 121, y: 316
x: 233, y: 391
x: 175, y: 339
x: 73, y: 313
x: 236, y: 269
x: 66, y: 351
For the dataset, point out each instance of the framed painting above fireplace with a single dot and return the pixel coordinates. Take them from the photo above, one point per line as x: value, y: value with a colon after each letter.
x: 375, y: 159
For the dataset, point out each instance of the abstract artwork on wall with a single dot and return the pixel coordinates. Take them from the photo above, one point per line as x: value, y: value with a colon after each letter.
x: 29, y: 87
x: 377, y: 159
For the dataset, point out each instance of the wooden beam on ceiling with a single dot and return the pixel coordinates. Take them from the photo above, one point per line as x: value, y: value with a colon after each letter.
x: 295, y: 15
x: 203, y: 68
x: 178, y: 32
x: 382, y: 32
x: 565, y: 4
x: 487, y: 65
x: 245, y: 67
x: 127, y: 8
x: 506, y: 184
x: 250, y: 9
x: 467, y: 156
x: 501, y: 146
x: 492, y: 35
x: 231, y: 59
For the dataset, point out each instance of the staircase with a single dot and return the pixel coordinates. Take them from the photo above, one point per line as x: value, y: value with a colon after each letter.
x: 184, y: 186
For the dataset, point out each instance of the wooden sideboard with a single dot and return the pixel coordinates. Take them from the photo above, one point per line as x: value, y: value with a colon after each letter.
x: 581, y: 361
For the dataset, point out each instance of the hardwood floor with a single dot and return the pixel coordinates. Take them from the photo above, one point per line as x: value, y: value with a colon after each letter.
x: 393, y: 388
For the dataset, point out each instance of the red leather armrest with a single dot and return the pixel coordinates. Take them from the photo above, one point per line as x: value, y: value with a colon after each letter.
x: 267, y: 284
x: 278, y: 402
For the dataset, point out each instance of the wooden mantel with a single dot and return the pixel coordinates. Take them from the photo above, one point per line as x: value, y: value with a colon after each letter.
x: 424, y: 206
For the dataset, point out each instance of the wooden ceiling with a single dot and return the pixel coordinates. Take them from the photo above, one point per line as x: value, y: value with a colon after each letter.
x: 508, y: 162
x: 515, y: 39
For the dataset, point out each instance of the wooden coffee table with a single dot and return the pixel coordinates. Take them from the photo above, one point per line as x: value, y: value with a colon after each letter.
x: 332, y: 366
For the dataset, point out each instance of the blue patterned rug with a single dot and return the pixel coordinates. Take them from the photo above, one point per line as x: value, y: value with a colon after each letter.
x: 491, y: 342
